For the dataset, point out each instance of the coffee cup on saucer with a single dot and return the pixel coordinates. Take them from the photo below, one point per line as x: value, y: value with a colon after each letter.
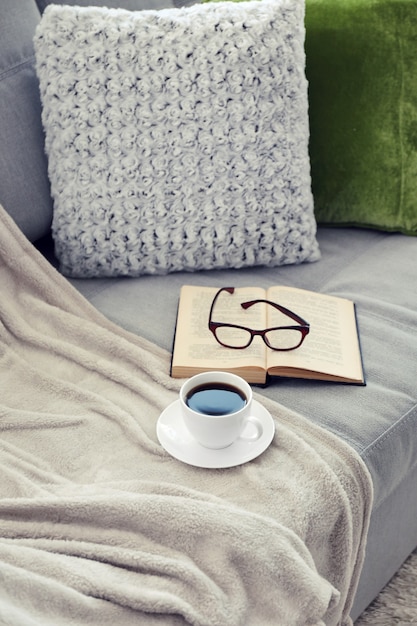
x: 216, y: 408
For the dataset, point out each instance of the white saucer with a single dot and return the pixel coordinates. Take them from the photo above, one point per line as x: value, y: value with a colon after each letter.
x: 175, y: 439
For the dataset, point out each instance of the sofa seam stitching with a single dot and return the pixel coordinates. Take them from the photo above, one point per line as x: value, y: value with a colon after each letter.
x: 16, y: 68
x: 399, y: 423
x: 395, y: 322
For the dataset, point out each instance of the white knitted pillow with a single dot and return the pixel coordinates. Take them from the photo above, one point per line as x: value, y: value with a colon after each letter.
x: 177, y: 139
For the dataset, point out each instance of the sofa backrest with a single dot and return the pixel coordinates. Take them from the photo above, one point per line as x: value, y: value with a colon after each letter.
x: 24, y: 185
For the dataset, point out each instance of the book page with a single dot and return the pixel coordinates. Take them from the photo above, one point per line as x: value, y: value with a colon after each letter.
x: 331, y: 346
x: 196, y: 347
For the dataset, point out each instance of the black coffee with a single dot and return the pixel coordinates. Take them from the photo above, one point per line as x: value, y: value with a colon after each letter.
x: 215, y: 399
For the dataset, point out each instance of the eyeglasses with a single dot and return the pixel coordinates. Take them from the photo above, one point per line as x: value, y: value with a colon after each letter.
x: 281, y: 338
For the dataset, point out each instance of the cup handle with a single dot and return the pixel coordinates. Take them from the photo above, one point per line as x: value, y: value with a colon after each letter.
x: 252, y: 429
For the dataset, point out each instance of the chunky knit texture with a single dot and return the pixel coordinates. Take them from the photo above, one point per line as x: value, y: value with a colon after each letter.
x: 177, y: 139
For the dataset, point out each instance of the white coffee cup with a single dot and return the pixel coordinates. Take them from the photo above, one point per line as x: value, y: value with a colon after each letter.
x: 217, y: 409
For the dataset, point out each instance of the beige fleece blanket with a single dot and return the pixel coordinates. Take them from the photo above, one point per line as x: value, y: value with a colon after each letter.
x: 100, y: 526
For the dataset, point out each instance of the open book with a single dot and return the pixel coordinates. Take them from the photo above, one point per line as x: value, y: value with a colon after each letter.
x: 330, y: 351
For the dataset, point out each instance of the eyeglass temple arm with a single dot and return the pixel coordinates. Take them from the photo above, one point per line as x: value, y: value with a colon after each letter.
x: 228, y: 289
x: 283, y: 309
x: 246, y: 305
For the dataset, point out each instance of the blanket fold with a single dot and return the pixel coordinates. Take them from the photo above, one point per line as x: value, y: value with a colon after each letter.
x: 99, y: 525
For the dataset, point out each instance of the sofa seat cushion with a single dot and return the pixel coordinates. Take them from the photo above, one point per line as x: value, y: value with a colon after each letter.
x: 178, y: 139
x: 378, y: 271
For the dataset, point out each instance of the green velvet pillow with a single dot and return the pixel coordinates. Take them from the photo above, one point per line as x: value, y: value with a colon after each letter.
x: 361, y: 60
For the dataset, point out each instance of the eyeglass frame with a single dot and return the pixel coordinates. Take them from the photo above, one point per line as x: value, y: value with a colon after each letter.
x: 302, y: 326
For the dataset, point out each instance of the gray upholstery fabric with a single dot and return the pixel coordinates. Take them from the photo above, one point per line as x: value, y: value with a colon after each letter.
x: 24, y: 185
x: 377, y: 271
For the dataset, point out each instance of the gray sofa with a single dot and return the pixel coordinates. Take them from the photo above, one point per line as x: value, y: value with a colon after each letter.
x: 376, y: 269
